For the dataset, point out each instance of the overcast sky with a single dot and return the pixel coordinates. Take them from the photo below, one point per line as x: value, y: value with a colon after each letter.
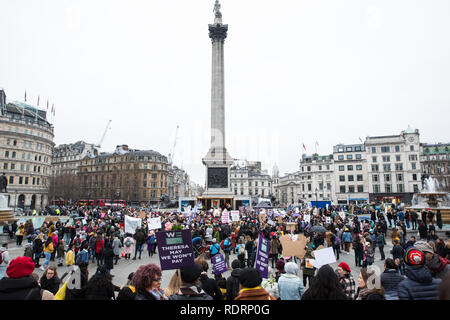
x: 296, y: 71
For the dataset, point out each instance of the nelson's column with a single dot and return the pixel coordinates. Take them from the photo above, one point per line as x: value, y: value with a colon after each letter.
x: 217, y: 160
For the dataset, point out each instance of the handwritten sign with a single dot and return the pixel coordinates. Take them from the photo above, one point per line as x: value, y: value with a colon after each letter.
x: 234, y: 215
x: 131, y: 224
x: 154, y: 223
x: 307, y: 218
x: 225, y: 217
x: 324, y: 256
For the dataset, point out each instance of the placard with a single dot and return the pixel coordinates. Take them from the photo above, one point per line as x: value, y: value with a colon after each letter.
x: 294, y: 248
x: 310, y: 263
x: 175, y: 249
x: 290, y: 226
x: 219, y: 265
x: 142, y: 214
x: 280, y: 219
x: 342, y: 215
x: 328, y: 220
x: 235, y: 216
x: 225, y: 217
x: 262, y: 218
x: 154, y: 223
x: 307, y: 218
x: 324, y: 256
x: 262, y: 257
x: 131, y: 224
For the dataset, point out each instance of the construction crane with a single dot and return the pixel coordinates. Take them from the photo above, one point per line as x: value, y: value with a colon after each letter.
x: 99, y: 145
x: 172, y: 154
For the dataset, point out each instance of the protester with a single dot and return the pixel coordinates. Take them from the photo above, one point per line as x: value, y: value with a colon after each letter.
x: 48, y: 249
x: 127, y: 292
x: 289, y: 284
x: 369, y: 290
x: 250, y: 286
x: 99, y: 287
x: 209, y: 285
x: 50, y: 280
x: 437, y: 265
x: 4, y: 259
x: 190, y: 288
x: 147, y: 281
x: 20, y: 285
x: 346, y: 280
x: 128, y: 243
x: 419, y: 283
x: 174, y: 284
x: 390, y: 279
x: 325, y: 286
x: 233, y: 281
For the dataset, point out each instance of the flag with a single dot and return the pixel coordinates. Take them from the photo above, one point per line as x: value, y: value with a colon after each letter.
x: 25, y: 95
x: 61, y: 294
x: 47, y: 104
x: 304, y: 146
x: 38, y: 100
x: 360, y: 139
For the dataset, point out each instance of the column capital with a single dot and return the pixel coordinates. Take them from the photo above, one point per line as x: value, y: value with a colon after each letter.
x: 218, y: 31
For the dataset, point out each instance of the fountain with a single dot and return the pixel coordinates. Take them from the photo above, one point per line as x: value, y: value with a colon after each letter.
x: 430, y: 199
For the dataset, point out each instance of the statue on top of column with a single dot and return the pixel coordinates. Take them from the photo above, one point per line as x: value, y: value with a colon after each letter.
x: 3, y: 183
x: 217, y: 9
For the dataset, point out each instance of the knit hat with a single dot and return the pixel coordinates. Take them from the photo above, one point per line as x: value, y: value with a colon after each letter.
x: 20, y: 267
x: 345, y: 266
x: 236, y: 264
x: 250, y: 278
x: 423, y: 246
x: 192, y: 273
x: 279, y: 265
x: 414, y: 257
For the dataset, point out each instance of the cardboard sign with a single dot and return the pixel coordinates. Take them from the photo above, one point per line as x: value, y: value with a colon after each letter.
x: 262, y: 218
x: 225, y: 217
x: 262, y: 257
x: 310, y: 263
x: 324, y: 256
x: 235, y: 215
x: 142, y: 215
x: 131, y: 224
x: 154, y: 223
x: 175, y: 249
x: 290, y: 226
x: 219, y: 265
x: 294, y: 248
x: 280, y: 219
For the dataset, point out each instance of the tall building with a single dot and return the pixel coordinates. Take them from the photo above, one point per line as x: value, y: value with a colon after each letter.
x: 26, y: 143
x: 350, y: 174
x: 435, y: 162
x: 287, y: 189
x: 394, y: 169
x: 316, y: 177
x: 125, y: 174
x: 66, y: 157
x: 179, y: 183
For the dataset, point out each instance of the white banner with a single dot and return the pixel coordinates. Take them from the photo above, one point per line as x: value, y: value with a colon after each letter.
x: 131, y: 224
x: 235, y: 215
x: 154, y: 223
x: 324, y: 256
x: 225, y: 217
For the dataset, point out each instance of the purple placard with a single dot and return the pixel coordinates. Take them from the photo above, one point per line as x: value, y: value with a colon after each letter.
x: 175, y: 249
x: 262, y: 257
x: 219, y: 264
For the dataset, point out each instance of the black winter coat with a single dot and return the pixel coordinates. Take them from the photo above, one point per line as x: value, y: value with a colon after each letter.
x: 211, y: 287
x: 390, y: 280
x: 51, y: 285
x: 108, y: 256
x: 233, y: 284
x: 25, y: 288
x: 419, y: 285
x: 126, y: 294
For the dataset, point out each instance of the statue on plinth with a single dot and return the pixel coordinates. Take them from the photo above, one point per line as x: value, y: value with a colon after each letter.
x: 3, y: 183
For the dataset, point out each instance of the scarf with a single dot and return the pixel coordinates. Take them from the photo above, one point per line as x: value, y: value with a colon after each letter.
x: 437, y: 263
x: 363, y: 293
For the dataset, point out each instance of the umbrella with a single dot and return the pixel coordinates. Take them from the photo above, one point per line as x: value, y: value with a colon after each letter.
x: 318, y: 229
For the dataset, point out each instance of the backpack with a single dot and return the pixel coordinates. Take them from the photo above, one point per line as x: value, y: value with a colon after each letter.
x: 221, y: 244
x: 128, y: 243
x: 78, y: 260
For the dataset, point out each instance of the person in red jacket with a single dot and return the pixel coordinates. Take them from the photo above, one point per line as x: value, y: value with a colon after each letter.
x: 99, y: 247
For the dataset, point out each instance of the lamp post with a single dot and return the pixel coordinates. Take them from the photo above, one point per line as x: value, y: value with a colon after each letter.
x: 317, y: 204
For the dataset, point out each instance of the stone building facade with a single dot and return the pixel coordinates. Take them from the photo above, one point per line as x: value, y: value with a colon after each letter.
x: 66, y: 157
x: 248, y: 179
x: 26, y: 144
x: 435, y: 162
x: 125, y: 174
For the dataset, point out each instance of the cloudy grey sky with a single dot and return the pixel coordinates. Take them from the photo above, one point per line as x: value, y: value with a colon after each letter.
x: 296, y: 71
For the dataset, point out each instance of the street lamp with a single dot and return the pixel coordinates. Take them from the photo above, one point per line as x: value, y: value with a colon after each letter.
x: 317, y: 205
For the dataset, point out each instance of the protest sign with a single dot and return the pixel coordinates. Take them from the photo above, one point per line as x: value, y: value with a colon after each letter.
x: 175, y: 249
x: 342, y: 215
x: 310, y: 263
x: 225, y: 217
x: 142, y: 214
x: 131, y: 224
x: 294, y: 248
x: 307, y: 218
x: 280, y: 219
x: 234, y: 215
x: 262, y: 257
x: 270, y: 222
x: 154, y: 223
x: 262, y: 218
x: 328, y: 220
x: 290, y: 226
x: 324, y: 256
x: 219, y: 265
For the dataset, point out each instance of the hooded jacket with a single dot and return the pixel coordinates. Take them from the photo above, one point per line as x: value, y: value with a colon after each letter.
x: 25, y: 288
x: 233, y: 284
x: 438, y: 266
x: 191, y: 293
x: 419, y: 285
x: 390, y: 280
x: 290, y: 287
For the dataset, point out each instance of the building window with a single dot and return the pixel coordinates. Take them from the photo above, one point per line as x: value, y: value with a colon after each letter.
x: 350, y: 178
x: 397, y: 158
x: 351, y: 189
x: 374, y: 159
x: 413, y: 165
x: 20, y: 180
x: 6, y: 154
x: 350, y: 167
x: 399, y: 166
x: 360, y: 188
x: 387, y: 177
x: 374, y: 149
x: 376, y: 188
x: 5, y: 166
x: 411, y: 148
x: 416, y: 188
x: 388, y: 188
x: 359, y: 167
x: 359, y: 177
x: 341, y: 168
x: 385, y: 149
x: 358, y: 156
x: 349, y: 157
x: 387, y: 167
x: 375, y: 167
x: 342, y: 178
x: 397, y: 148
x: 386, y: 158
x: 399, y: 177
x: 400, y: 188
x: 342, y: 189
x: 414, y: 177
x: 341, y: 157
x: 375, y: 178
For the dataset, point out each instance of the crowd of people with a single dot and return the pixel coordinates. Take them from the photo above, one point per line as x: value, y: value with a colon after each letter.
x: 415, y: 268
